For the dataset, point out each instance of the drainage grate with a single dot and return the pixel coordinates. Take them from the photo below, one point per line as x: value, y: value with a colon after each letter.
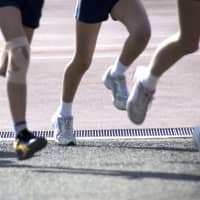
x: 113, y: 133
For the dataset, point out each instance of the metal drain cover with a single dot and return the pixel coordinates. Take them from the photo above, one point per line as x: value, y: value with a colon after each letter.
x: 113, y: 133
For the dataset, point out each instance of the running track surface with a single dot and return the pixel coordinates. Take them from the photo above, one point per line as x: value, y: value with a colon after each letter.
x: 177, y: 99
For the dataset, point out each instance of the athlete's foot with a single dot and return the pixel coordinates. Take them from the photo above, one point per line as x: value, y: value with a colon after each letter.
x: 63, y: 130
x: 139, y: 99
x: 26, y: 144
x: 118, y: 87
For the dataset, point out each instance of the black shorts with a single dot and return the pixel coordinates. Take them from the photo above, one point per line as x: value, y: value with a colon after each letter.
x: 31, y: 10
x: 93, y: 11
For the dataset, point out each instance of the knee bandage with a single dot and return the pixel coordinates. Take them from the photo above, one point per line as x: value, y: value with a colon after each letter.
x: 18, y: 60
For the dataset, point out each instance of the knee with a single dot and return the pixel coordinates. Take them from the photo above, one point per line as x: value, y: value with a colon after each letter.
x: 145, y: 35
x: 142, y: 34
x: 81, y: 64
x: 18, y: 60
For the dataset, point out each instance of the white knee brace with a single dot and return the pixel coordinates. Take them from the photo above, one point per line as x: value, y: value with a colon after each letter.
x: 18, y: 60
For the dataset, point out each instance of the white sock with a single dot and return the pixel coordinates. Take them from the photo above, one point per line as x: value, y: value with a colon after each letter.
x: 149, y: 81
x: 65, y: 109
x: 118, y: 68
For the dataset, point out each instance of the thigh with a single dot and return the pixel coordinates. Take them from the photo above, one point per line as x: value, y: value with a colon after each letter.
x: 29, y: 33
x: 86, y: 37
x: 189, y: 16
x: 131, y: 13
x: 31, y: 10
x: 11, y: 22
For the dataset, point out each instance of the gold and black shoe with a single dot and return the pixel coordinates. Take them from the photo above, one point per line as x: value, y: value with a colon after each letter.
x: 26, y: 144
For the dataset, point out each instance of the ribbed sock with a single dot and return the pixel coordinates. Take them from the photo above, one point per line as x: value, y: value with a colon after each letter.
x: 149, y: 81
x: 65, y: 109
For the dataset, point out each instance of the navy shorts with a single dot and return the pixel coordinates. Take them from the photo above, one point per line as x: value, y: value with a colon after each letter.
x: 31, y: 10
x: 93, y: 11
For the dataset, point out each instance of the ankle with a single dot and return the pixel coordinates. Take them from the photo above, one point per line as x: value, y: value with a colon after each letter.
x: 149, y: 81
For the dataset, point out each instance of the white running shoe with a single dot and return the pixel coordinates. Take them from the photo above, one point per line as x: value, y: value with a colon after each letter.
x: 196, y: 137
x: 63, y: 130
x: 139, y: 99
x: 118, y: 87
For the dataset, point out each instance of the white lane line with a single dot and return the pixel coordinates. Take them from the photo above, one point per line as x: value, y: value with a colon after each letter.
x: 57, y: 57
x: 67, y: 57
x: 62, y: 52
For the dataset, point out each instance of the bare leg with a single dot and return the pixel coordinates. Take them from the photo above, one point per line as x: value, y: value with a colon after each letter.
x: 132, y: 14
x: 166, y: 55
x: 180, y: 44
x: 11, y: 27
x: 4, y: 59
x: 86, y: 36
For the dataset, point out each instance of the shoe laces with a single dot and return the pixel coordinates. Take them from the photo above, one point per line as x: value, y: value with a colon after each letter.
x: 120, y: 86
x: 64, y: 124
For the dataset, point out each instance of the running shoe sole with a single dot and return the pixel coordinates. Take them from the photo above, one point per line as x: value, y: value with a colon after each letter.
x: 25, y: 151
